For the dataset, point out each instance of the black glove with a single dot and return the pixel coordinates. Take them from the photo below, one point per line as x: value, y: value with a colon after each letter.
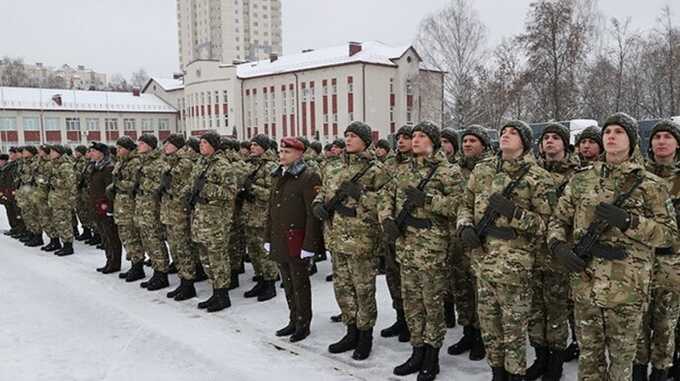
x: 320, y: 211
x: 166, y: 181
x: 470, y: 238
x: 415, y: 197
x: 563, y: 252
x: 503, y: 206
x: 613, y: 215
x: 351, y: 189
x: 390, y: 231
x: 110, y: 192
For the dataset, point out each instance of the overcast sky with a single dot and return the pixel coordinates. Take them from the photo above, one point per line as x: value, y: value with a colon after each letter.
x: 120, y: 36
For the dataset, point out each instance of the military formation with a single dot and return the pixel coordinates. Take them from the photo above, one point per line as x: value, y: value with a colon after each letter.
x: 573, y: 250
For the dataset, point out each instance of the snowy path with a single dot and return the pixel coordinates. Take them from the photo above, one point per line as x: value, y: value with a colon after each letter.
x: 61, y: 320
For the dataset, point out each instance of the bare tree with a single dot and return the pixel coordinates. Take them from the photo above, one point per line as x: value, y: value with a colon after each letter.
x: 671, y: 36
x: 12, y: 72
x: 624, y: 40
x: 139, y: 78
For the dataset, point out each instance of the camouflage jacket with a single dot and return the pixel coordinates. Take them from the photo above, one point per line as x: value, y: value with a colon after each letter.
x: 63, y: 178
x: 353, y: 235
x: 609, y: 283
x: 259, y: 170
x: 424, y: 248
x: 508, y: 261
x: 124, y: 174
x: 79, y: 167
x: 178, y: 167
x: 149, y: 177
x: 312, y: 160
x: 42, y: 175
x: 216, y: 197
x: 26, y: 169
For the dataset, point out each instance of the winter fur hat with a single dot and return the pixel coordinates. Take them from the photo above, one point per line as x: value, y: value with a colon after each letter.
x: 127, y: 143
x: 4, y: 156
x: 193, y: 143
x: 149, y: 139
x: 101, y: 147
x: 477, y: 131
x: 31, y: 149
x: 668, y: 126
x: 338, y: 143
x: 316, y: 146
x: 432, y: 131
x: 81, y: 149
x: 58, y: 148
x: 524, y: 132
x: 384, y: 144
x: 244, y: 144
x: 213, y: 138
x: 262, y: 141
x: 404, y: 130
x: 628, y: 123
x: 176, y: 140
x: 362, y: 130
x: 452, y: 136
x: 560, y: 130
x: 594, y: 133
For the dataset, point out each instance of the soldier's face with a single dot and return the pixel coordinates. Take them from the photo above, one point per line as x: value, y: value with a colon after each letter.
x: 13, y: 156
x: 336, y: 151
x: 288, y: 156
x: 245, y: 151
x: 589, y: 148
x: 54, y: 154
x: 169, y: 148
x: 552, y: 144
x: 664, y: 144
x: 511, y: 142
x: 77, y: 154
x: 404, y: 143
x: 353, y: 143
x: 256, y: 150
x: 421, y: 144
x: 472, y: 146
x: 615, y: 140
x: 96, y: 155
x: 206, y: 148
x: 26, y: 154
x: 143, y: 147
x: 121, y: 151
x: 380, y: 152
x: 447, y: 146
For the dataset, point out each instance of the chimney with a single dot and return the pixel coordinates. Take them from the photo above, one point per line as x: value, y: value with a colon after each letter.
x: 354, y: 48
x: 307, y: 50
x: 135, y: 91
x: 56, y: 98
x: 273, y: 57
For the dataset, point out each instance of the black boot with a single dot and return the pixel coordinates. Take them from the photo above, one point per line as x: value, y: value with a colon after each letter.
x: 66, y: 250
x: 135, y: 273
x: 659, y: 375
x: 255, y: 291
x: 158, y: 281
x: 450, y: 314
x: 76, y: 233
x: 405, y: 335
x: 348, y: 342
x: 233, y: 284
x: 204, y: 304
x: 329, y: 278
x: 396, y: 328
x: 430, y: 368
x: 201, y: 275
x: 268, y: 291
x: 572, y: 352
x: 172, y: 268
x: 364, y: 345
x: 301, y: 332
x: 36, y: 240
x: 465, y: 343
x: 87, y: 234
x: 287, y: 330
x: 106, y: 265
x: 498, y: 374
x: 256, y: 278
x: 540, y: 365
x: 336, y: 318
x: 94, y: 240
x: 639, y: 372
x: 171, y: 294
x: 187, y: 292
x: 413, y: 364
x: 26, y: 237
x: 221, y: 300
x: 516, y: 377
x: 52, y: 246
x: 674, y: 371
x: 477, y: 351
x: 555, y: 365
x: 313, y: 269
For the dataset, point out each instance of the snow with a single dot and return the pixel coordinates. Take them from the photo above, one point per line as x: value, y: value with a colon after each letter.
x: 24, y: 98
x: 168, y: 84
x: 373, y: 52
x: 62, y: 320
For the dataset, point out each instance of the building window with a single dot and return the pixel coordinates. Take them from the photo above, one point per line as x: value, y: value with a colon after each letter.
x: 146, y: 124
x: 8, y: 124
x: 129, y: 124
x: 335, y: 118
x: 391, y: 113
x: 92, y: 124
x: 163, y: 124
x: 224, y: 95
x: 391, y: 85
x: 409, y: 117
x: 31, y: 124
x: 111, y: 124
x: 350, y: 117
x: 72, y: 124
x: 409, y: 87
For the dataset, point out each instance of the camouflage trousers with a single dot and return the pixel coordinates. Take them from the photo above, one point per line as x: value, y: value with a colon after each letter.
x: 606, y: 330
x: 41, y: 199
x: 393, y: 276
x: 148, y: 223
x: 60, y: 208
x: 465, y: 288
x: 210, y: 234
x: 85, y: 214
x: 237, y: 244
x: 184, y: 253
x: 354, y: 286
x: 262, y: 263
x: 423, y: 293
x: 129, y: 235
x: 28, y: 209
x: 656, y: 343
x: 503, y: 315
x: 549, y: 323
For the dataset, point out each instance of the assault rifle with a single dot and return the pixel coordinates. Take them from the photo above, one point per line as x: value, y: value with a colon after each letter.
x: 404, y: 218
x: 195, y: 195
x: 339, y: 197
x: 486, y: 224
x: 245, y: 191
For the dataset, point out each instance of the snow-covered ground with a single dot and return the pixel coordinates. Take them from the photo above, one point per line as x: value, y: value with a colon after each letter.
x: 61, y: 320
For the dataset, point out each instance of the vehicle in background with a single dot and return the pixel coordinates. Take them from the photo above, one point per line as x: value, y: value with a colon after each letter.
x: 575, y: 126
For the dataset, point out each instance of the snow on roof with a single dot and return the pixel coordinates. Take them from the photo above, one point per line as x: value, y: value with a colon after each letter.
x: 168, y: 84
x: 373, y: 52
x: 80, y: 100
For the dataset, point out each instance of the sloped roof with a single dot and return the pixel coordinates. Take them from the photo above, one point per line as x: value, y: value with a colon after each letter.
x: 25, y: 98
x: 168, y: 84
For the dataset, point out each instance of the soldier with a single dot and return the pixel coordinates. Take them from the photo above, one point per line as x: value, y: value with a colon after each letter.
x: 382, y: 150
x: 623, y: 210
x: 449, y: 138
x: 121, y: 193
x: 548, y: 325
x: 62, y: 198
x: 100, y: 179
x: 476, y: 146
x: 310, y: 155
x: 43, y: 175
x: 656, y: 344
x: 392, y: 269
x: 237, y: 235
x: 211, y: 202
x: 146, y: 190
x: 10, y: 177
x: 415, y: 209
x: 178, y: 160
x: 450, y: 144
x: 254, y: 193
x: 346, y: 203
x: 293, y: 234
x: 589, y: 144
x: 244, y: 150
x: 25, y: 197
x: 85, y: 215
x: 509, y: 193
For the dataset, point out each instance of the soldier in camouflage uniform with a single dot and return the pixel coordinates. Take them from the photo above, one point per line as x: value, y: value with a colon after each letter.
x: 503, y: 254
x: 611, y: 285
x: 121, y: 192
x: 147, y: 210
x: 426, y: 190
x: 25, y: 200
x: 548, y: 325
x: 382, y: 150
x: 42, y: 175
x: 449, y: 138
x: 84, y: 214
x: 10, y: 173
x: 211, y: 202
x: 62, y: 198
x: 656, y: 343
x: 475, y: 144
x: 254, y: 193
x: 310, y: 155
x: 178, y: 163
x: 392, y: 269
x: 589, y: 144
x: 237, y: 234
x: 351, y: 237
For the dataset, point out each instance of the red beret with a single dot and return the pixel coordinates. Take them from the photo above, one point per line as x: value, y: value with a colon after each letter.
x: 292, y: 143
